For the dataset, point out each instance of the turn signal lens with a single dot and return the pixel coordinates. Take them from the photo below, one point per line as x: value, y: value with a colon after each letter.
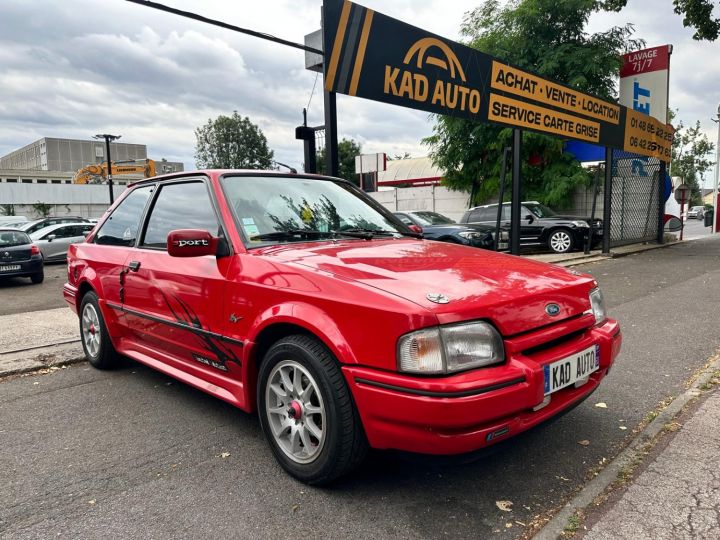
x: 421, y: 352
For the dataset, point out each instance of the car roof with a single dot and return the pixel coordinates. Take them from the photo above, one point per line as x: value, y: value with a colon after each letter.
x: 59, y: 225
x: 11, y: 229
x: 495, y: 204
x: 234, y: 172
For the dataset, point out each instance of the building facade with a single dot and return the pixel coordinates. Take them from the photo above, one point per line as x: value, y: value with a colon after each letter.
x: 69, y: 155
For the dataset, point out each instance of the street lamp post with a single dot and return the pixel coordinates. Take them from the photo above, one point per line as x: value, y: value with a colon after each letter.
x: 108, y: 138
x: 717, y: 174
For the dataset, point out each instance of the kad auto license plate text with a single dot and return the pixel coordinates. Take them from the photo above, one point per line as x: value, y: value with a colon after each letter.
x: 572, y: 369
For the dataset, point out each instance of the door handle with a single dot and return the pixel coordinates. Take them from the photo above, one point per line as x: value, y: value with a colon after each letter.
x: 134, y: 266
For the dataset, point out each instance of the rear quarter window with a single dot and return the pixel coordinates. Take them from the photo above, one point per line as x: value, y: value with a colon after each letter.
x: 121, y: 228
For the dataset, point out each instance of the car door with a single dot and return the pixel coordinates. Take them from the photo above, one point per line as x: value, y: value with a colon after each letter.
x: 175, y: 306
x: 530, y: 229
x: 107, y: 252
x: 56, y: 241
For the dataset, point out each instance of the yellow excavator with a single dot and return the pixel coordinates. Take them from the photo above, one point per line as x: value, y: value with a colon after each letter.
x: 97, y: 173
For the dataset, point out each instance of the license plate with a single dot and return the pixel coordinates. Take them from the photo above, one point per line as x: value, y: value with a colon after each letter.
x: 572, y: 369
x: 9, y: 268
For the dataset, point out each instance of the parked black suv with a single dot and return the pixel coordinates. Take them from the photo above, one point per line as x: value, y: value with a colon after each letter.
x: 438, y: 227
x: 540, y: 226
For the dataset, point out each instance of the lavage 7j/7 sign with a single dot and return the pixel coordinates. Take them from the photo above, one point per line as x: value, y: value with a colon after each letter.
x: 373, y: 56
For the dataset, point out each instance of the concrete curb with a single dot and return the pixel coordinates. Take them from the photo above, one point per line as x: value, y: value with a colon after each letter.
x: 554, y: 528
x: 43, y: 357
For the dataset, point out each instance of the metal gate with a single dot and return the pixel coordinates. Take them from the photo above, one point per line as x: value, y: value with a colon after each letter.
x: 635, y: 199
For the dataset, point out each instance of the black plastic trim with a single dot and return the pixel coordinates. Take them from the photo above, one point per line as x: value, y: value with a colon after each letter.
x: 431, y: 393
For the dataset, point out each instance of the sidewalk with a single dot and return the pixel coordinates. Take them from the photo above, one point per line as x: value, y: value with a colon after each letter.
x: 678, y: 495
x: 37, y: 340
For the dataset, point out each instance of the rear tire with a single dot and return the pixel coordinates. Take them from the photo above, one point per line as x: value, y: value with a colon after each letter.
x: 38, y: 277
x: 307, y: 412
x: 94, y: 336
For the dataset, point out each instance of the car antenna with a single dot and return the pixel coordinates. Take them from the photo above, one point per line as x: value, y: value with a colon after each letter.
x: 292, y: 169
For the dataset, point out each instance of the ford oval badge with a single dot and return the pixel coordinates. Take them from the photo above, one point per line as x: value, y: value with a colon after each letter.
x: 552, y: 309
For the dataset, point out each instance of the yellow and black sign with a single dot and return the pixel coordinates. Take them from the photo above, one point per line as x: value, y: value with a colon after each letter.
x: 376, y: 57
x: 507, y: 110
x: 521, y: 83
x: 646, y: 135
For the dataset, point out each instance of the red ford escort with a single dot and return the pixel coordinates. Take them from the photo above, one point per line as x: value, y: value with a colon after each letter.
x: 300, y: 297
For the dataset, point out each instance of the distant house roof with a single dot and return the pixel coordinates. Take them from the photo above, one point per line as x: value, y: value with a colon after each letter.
x: 706, y: 192
x: 416, y: 171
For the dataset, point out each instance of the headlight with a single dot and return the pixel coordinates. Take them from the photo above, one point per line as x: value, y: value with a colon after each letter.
x: 580, y: 223
x: 449, y: 349
x: 598, y: 305
x: 471, y: 235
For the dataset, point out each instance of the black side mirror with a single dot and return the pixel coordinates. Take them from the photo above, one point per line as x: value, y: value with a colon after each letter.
x: 529, y: 218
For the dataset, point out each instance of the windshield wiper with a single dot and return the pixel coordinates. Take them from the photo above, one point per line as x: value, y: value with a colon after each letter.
x: 380, y: 232
x: 310, y: 233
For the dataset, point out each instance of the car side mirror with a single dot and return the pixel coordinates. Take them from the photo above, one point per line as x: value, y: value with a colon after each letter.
x: 51, y: 237
x: 193, y: 243
x: 529, y: 218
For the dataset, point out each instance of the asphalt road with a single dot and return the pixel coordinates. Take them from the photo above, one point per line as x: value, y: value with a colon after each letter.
x: 132, y: 453
x: 19, y: 295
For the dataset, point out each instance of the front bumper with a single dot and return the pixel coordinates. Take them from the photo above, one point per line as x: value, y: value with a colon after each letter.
x: 468, y: 411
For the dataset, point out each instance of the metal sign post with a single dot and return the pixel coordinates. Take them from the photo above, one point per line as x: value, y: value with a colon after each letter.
x: 515, y: 204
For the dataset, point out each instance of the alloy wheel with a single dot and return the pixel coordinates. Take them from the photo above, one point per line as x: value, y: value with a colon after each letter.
x: 560, y: 242
x: 91, y: 329
x: 295, y: 411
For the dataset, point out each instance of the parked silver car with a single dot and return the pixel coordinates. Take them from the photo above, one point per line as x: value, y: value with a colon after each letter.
x: 54, y: 241
x: 696, y: 212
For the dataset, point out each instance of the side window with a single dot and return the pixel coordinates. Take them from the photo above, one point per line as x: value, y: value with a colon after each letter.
x: 64, y: 232
x: 121, y: 228
x: 179, y: 206
x: 406, y: 220
x: 480, y: 214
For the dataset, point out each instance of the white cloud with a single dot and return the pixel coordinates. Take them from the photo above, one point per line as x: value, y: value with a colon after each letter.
x: 77, y: 67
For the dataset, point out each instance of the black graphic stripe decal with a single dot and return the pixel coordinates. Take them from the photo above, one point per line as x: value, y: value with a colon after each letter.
x: 175, y: 324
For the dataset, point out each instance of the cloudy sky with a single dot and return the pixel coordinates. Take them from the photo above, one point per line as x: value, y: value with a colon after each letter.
x: 79, y: 67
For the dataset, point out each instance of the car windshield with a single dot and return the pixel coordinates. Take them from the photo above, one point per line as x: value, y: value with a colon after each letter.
x: 540, y: 210
x: 30, y: 224
x: 13, y: 238
x: 273, y: 209
x: 431, y: 218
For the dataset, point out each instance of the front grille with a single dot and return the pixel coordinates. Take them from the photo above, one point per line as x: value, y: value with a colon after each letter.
x: 553, y: 343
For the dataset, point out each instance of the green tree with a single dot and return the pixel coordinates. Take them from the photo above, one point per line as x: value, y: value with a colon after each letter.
x: 42, y: 209
x: 549, y: 38
x: 232, y: 142
x: 691, y: 152
x: 347, y: 150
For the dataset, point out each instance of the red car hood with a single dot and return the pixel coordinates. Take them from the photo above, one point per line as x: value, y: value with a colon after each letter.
x: 479, y: 284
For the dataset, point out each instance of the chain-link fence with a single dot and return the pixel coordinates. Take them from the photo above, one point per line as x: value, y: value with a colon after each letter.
x: 635, y: 198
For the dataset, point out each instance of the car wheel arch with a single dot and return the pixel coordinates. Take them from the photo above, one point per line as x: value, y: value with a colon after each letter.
x: 82, y: 290
x: 277, y: 323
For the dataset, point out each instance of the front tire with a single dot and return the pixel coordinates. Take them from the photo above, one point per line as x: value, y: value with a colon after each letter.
x: 94, y: 336
x: 307, y: 413
x: 560, y: 241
